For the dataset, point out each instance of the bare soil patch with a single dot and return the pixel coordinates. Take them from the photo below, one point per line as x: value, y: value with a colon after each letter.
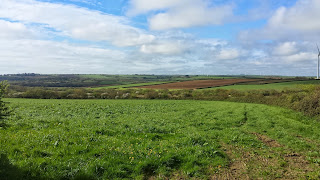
x: 237, y: 168
x: 267, y: 141
x: 267, y: 163
x: 297, y: 165
x: 197, y: 84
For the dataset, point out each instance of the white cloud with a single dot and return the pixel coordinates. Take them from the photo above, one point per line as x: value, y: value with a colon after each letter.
x: 300, y: 57
x: 212, y: 42
x: 285, y: 49
x: 75, y: 22
x: 301, y: 17
x: 297, y: 23
x: 182, y: 13
x: 144, y: 6
x: 42, y: 37
x: 166, y: 48
x: 228, y: 54
x: 13, y: 30
x: 18, y: 56
x: 258, y: 53
x: 170, y: 43
x: 190, y: 16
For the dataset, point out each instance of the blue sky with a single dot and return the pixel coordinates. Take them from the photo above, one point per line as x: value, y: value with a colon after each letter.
x: 267, y: 37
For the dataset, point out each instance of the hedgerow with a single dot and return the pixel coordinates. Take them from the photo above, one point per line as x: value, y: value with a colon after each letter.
x: 305, y: 99
x: 4, y: 109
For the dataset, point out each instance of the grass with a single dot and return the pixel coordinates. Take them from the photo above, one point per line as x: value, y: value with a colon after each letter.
x: 276, y: 86
x: 139, y: 139
x: 94, y: 76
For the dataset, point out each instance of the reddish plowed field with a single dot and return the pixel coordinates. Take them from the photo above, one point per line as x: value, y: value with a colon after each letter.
x: 196, y: 84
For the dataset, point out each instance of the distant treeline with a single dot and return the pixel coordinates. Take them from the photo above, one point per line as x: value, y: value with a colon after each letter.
x: 306, y: 99
x: 36, y: 80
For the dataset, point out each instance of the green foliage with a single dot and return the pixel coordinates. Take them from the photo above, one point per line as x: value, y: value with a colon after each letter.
x: 4, y: 110
x: 139, y: 139
x: 309, y: 103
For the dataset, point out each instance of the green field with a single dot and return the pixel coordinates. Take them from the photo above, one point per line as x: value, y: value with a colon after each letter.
x: 244, y: 87
x: 152, y: 80
x: 139, y: 139
x: 131, y: 85
x: 20, y: 81
x: 275, y: 86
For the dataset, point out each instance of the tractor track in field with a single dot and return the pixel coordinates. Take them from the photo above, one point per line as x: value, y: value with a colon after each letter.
x: 245, y: 117
x: 266, y: 140
x: 237, y: 167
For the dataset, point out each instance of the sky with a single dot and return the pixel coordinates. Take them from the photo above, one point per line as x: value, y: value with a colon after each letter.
x: 194, y: 37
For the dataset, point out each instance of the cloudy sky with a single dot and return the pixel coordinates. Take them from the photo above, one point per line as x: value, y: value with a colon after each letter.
x: 267, y: 37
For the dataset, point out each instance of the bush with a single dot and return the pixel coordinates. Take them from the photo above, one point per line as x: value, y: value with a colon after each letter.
x: 151, y: 94
x: 310, y: 104
x: 4, y: 110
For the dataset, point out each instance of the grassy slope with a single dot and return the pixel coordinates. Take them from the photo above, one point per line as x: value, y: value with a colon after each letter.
x: 276, y: 86
x: 107, y: 139
x: 131, y: 85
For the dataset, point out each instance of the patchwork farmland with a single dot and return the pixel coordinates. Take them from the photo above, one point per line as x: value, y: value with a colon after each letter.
x: 191, y: 134
x: 198, y: 84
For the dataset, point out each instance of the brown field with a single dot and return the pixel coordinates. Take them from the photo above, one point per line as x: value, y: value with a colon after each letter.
x: 198, y: 84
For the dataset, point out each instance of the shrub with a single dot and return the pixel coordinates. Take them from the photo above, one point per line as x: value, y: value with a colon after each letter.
x: 4, y: 110
x: 310, y: 104
x: 151, y: 94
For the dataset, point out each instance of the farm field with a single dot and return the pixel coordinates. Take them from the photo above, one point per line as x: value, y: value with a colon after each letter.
x: 276, y: 86
x: 141, y: 139
x: 196, y: 84
x: 172, y: 79
x: 131, y: 85
x: 95, y: 80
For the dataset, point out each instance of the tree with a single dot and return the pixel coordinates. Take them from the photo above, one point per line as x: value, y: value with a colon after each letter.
x: 4, y: 110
